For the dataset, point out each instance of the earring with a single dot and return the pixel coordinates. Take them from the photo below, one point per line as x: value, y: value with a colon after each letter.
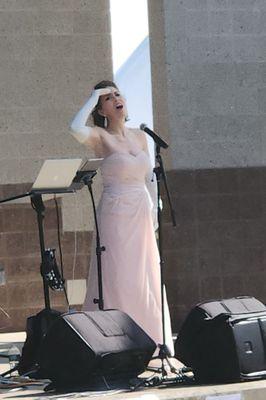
x: 105, y: 122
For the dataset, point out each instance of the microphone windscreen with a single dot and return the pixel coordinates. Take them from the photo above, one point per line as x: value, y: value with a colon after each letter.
x: 143, y: 126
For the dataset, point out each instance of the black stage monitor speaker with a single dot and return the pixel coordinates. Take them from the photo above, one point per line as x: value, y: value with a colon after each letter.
x: 82, y: 346
x: 224, y: 340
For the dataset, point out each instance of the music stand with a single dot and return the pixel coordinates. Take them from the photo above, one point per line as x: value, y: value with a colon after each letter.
x: 84, y: 177
x: 81, y: 178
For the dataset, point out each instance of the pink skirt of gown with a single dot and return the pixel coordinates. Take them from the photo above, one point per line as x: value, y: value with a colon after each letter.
x: 130, y: 263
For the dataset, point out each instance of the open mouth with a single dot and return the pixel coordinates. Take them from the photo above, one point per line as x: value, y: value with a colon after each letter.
x: 119, y: 106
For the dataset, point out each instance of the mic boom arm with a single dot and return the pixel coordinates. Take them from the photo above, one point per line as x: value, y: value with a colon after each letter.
x: 157, y: 139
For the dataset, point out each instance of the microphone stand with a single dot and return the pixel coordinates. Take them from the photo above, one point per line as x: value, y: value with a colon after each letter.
x: 164, y: 352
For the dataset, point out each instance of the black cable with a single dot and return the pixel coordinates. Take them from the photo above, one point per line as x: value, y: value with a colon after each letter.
x: 60, y: 247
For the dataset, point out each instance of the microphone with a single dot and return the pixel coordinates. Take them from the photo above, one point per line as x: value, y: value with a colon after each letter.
x: 157, y: 139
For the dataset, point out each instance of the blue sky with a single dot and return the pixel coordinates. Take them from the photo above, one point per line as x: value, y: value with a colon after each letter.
x: 129, y: 20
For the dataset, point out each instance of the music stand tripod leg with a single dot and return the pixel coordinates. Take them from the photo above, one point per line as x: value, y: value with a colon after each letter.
x: 47, y: 314
x: 38, y: 206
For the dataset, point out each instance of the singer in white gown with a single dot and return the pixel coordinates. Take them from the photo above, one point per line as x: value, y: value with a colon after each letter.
x: 130, y: 263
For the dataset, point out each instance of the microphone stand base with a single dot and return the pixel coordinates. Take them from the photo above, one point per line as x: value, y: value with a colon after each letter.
x: 182, y: 376
x: 165, y: 357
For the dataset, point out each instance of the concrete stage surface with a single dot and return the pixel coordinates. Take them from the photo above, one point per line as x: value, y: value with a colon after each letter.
x: 255, y: 390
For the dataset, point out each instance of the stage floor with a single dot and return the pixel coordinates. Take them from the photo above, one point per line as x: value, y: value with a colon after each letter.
x: 255, y: 390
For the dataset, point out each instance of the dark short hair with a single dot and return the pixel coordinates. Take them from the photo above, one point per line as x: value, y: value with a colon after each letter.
x: 96, y: 117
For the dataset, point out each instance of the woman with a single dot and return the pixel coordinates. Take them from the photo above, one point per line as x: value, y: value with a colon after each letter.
x: 130, y: 263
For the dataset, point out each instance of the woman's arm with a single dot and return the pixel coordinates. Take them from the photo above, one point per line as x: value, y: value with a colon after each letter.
x: 83, y: 133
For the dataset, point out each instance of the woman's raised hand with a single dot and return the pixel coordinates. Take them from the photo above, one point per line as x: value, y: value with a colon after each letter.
x: 101, y: 92
x: 78, y: 126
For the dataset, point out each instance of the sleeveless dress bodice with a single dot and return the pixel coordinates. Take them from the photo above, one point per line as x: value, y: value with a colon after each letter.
x: 121, y: 168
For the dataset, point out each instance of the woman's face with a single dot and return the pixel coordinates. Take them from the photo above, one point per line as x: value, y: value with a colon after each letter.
x: 113, y: 105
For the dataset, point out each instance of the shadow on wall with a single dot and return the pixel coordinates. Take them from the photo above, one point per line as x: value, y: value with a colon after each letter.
x: 218, y: 249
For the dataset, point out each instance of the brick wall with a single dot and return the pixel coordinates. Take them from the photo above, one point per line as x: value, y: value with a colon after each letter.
x: 218, y: 248
x: 22, y: 294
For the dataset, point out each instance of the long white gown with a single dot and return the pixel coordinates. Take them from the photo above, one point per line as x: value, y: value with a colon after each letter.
x: 130, y: 264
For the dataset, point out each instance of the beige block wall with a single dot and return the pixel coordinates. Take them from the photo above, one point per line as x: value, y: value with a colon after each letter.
x: 208, y: 64
x: 208, y: 70
x: 52, y: 53
x: 159, y: 73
